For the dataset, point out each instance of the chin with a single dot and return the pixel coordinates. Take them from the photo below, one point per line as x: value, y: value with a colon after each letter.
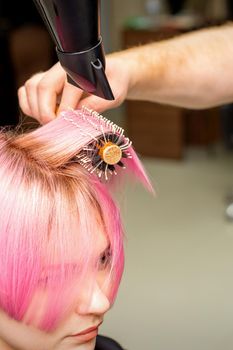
x: 90, y: 345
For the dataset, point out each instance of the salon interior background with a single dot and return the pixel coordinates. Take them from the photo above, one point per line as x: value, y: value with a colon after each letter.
x: 177, y: 289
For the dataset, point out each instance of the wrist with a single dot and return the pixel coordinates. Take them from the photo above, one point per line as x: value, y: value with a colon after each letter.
x: 129, y: 65
x: 144, y: 69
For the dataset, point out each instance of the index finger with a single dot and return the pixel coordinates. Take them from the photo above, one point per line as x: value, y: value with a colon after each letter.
x: 48, y: 90
x: 71, y: 95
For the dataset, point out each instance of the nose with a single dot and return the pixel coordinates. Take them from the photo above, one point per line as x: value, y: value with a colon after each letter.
x: 98, y: 303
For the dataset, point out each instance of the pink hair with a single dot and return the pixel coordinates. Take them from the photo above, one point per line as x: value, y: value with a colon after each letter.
x: 50, y: 210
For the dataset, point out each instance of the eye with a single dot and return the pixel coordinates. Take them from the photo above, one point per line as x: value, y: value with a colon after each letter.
x: 105, y: 259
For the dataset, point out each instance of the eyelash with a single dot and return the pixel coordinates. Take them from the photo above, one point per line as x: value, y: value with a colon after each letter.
x: 105, y: 259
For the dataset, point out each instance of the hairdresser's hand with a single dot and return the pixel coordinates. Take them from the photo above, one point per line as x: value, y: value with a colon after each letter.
x: 46, y: 94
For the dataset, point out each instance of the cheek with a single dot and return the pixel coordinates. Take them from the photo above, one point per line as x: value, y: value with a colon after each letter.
x: 36, y: 308
x: 104, y: 281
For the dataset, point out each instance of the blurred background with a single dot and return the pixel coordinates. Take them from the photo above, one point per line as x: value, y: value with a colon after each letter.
x: 177, y: 287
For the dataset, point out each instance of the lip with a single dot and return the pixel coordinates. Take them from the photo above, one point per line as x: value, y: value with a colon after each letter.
x: 84, y: 338
x: 92, y: 331
x: 86, y: 331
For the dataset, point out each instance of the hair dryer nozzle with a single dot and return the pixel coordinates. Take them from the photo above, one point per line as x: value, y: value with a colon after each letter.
x: 86, y: 70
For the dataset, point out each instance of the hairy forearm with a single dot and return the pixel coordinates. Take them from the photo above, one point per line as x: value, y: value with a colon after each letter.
x: 193, y: 70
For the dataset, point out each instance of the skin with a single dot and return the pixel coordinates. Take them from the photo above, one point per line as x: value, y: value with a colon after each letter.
x: 193, y: 70
x: 19, y: 336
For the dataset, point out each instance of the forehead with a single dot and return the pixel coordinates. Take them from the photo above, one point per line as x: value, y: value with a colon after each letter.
x: 77, y: 250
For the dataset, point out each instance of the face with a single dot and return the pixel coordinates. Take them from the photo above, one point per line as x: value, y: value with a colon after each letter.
x: 78, y: 331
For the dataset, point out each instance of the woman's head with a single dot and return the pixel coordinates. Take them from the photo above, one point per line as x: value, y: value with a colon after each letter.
x: 61, y: 237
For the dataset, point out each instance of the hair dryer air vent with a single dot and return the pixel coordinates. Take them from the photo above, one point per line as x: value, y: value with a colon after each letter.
x: 74, y: 26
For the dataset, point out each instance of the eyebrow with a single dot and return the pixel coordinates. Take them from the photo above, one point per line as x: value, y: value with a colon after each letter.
x: 53, y: 268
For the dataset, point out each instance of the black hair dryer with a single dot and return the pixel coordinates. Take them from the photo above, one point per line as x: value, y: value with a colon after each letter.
x: 75, y: 28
